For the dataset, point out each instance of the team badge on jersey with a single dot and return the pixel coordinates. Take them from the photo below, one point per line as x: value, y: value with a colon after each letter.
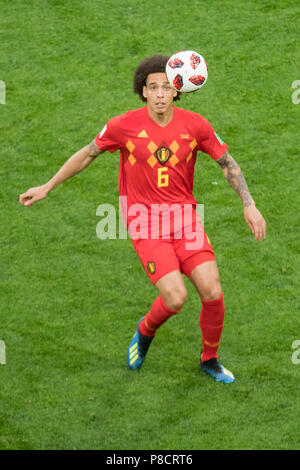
x: 151, y: 267
x: 163, y: 155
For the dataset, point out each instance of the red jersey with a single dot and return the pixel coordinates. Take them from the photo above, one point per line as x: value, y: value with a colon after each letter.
x: 157, y: 163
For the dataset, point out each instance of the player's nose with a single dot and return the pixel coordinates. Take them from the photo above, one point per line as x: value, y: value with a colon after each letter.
x: 160, y: 91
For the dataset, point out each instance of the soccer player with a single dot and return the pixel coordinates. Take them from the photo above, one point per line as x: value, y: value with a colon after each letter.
x: 158, y: 146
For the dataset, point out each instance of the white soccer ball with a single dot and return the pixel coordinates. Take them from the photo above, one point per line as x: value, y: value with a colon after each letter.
x: 187, y: 71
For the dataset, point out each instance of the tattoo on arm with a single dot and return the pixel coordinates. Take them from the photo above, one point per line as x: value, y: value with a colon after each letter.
x: 94, y: 150
x: 235, y: 177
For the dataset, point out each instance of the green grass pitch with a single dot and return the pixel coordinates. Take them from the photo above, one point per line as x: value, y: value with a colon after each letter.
x: 70, y: 302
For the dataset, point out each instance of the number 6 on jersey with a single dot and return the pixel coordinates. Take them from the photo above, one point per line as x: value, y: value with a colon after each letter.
x: 162, y: 178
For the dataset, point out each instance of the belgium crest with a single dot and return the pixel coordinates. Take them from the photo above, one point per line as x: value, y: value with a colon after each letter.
x: 151, y: 267
x: 163, y: 155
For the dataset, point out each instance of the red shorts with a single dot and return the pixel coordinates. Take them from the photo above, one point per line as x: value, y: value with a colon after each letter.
x: 162, y: 256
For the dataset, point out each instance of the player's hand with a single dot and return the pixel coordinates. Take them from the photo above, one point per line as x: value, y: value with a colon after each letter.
x: 33, y: 195
x: 255, y: 221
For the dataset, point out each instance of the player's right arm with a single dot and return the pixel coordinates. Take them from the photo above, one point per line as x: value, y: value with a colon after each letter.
x: 76, y: 163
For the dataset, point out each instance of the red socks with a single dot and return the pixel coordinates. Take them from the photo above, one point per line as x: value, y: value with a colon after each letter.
x: 211, y: 324
x: 158, y: 315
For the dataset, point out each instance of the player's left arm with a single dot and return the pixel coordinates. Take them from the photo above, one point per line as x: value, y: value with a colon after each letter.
x: 235, y: 177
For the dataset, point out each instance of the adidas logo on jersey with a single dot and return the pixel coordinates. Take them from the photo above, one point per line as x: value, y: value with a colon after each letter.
x: 143, y: 135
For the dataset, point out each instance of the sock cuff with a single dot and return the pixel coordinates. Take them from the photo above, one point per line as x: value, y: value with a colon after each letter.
x: 166, y: 308
x: 215, y: 302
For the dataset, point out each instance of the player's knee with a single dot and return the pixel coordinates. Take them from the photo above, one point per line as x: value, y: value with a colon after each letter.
x: 212, y: 292
x: 176, y: 299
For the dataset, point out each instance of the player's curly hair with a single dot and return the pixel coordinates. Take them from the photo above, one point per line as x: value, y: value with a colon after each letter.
x: 153, y: 64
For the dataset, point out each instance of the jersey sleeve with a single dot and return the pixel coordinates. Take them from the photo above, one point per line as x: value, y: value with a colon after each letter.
x: 109, y: 137
x: 210, y: 142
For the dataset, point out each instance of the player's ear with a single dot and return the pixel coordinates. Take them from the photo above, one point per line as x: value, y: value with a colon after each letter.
x: 174, y: 93
x: 145, y: 91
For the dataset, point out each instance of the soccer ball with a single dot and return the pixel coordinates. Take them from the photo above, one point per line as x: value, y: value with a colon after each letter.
x: 186, y: 71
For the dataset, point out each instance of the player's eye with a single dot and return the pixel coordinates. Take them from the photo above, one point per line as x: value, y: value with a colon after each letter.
x: 153, y: 88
